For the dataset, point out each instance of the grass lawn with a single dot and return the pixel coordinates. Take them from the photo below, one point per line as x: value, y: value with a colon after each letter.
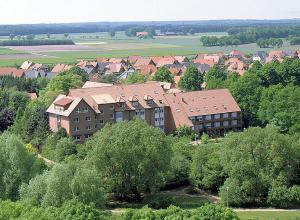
x: 180, y: 198
x: 269, y: 215
x: 6, y: 51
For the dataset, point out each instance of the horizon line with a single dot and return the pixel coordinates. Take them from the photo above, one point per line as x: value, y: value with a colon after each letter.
x: 156, y: 21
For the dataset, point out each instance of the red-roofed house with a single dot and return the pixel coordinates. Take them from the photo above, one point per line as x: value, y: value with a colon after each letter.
x: 61, y: 68
x: 166, y: 61
x: 209, y: 62
x: 143, y: 62
x: 237, y: 53
x: 12, y: 72
x: 85, y: 111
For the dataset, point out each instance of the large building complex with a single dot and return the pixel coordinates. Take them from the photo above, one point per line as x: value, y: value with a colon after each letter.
x: 84, y: 111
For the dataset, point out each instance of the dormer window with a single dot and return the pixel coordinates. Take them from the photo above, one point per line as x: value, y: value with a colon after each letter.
x: 148, y: 99
x: 134, y: 101
x: 120, y: 102
x: 150, y: 102
x: 62, y: 104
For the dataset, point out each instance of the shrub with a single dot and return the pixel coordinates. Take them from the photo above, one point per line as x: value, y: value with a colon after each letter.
x: 159, y: 201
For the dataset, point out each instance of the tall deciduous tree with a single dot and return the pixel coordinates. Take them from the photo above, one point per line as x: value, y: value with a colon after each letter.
x: 163, y: 75
x: 191, y: 80
x: 17, y: 166
x: 132, y: 157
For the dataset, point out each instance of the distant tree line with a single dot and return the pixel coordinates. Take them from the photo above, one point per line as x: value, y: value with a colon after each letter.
x: 272, y: 42
x: 177, y: 26
x: 35, y: 42
x: 295, y: 41
x: 263, y: 36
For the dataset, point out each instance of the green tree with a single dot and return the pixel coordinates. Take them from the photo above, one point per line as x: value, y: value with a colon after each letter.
x: 112, y: 33
x: 11, y: 36
x: 280, y: 105
x: 215, y: 77
x: 191, y: 80
x: 247, y: 92
x: 64, y: 82
x: 65, y: 181
x: 135, y: 77
x: 253, y: 161
x: 17, y: 166
x: 86, y: 187
x: 206, y: 169
x: 132, y: 157
x: 32, y: 125
x: 163, y: 75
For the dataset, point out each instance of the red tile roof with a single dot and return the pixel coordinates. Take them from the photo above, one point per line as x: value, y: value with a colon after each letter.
x: 11, y: 71
x: 237, y: 53
x: 63, y: 102
x: 144, y: 62
x: 147, y: 69
x: 199, y: 103
x: 61, y: 68
x: 209, y: 62
x: 102, y: 60
x: 166, y: 61
x: 133, y: 59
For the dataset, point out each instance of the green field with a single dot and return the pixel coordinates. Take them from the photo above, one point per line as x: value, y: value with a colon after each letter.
x: 6, y: 51
x: 269, y: 215
x: 91, y: 46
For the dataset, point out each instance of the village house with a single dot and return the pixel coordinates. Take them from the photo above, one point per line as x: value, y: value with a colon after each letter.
x: 58, y: 68
x: 260, y: 56
x: 84, y: 111
x: 11, y: 72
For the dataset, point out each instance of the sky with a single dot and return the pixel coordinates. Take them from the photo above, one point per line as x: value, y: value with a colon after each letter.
x: 67, y: 11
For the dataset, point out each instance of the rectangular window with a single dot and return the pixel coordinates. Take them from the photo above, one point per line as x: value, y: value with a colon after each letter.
x: 87, y: 136
x: 78, y: 110
x: 58, y: 117
x: 76, y: 129
x: 119, y: 116
x: 88, y: 128
x: 193, y: 118
x: 140, y: 113
x: 101, y: 122
x: 217, y: 116
x: 88, y: 118
x: 85, y: 109
x: 77, y: 138
x: 217, y: 124
x: 76, y: 120
x: 233, y: 114
x: 199, y: 118
x: 121, y: 105
x: 208, y: 117
x: 208, y: 125
x: 234, y: 122
x: 135, y: 104
x: 150, y: 102
x: 225, y: 123
x: 225, y: 115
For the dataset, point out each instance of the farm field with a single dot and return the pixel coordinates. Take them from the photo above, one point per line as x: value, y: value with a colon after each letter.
x: 91, y: 46
x: 269, y: 215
